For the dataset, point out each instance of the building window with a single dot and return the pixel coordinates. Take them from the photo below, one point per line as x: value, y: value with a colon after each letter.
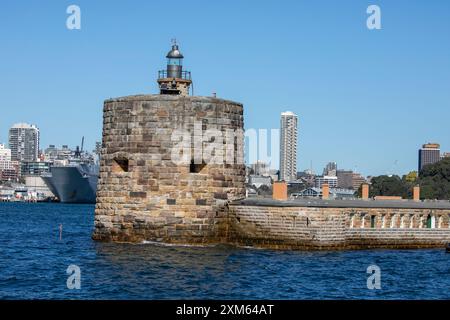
x: 393, y: 218
x: 120, y: 165
x: 383, y: 221
x: 373, y: 221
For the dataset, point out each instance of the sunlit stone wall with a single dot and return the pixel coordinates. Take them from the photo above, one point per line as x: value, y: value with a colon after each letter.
x: 143, y: 194
x: 296, y: 227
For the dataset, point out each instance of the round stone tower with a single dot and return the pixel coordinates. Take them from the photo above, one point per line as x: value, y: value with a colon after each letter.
x: 169, y: 165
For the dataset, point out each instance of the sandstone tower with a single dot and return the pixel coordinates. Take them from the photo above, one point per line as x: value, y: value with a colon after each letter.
x: 169, y: 163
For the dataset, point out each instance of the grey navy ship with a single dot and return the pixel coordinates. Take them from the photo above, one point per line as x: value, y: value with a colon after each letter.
x: 75, y: 180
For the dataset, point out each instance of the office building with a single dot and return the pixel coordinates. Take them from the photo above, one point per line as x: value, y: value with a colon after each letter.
x: 332, y: 181
x: 357, y: 180
x: 429, y: 153
x: 345, y: 179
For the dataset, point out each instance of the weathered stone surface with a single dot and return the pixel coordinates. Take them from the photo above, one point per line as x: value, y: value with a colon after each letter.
x: 142, y: 194
x: 290, y: 227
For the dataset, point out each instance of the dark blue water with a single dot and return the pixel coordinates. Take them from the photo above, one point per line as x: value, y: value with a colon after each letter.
x: 33, y: 263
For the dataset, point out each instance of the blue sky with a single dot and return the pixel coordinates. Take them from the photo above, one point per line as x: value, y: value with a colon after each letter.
x: 366, y: 99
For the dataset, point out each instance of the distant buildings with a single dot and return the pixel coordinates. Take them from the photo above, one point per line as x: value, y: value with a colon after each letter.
x: 52, y: 153
x: 345, y: 179
x: 357, y: 180
x: 330, y: 169
x: 334, y: 193
x: 8, y: 168
x: 329, y: 176
x: 288, y: 146
x: 23, y: 165
x: 34, y: 168
x: 429, y: 153
x: 445, y: 155
x: 24, y: 142
x: 342, y: 179
x: 5, y: 157
x: 332, y: 181
x: 259, y: 181
x: 260, y: 168
x: 307, y: 177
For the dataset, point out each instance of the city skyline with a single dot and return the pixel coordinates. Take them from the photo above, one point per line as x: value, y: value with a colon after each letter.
x: 370, y: 87
x: 329, y: 166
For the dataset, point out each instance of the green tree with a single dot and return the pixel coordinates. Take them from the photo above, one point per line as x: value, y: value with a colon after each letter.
x: 411, y: 177
x: 387, y: 186
x: 434, y: 180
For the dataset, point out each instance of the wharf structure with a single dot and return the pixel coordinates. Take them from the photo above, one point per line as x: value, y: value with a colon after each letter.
x: 155, y: 185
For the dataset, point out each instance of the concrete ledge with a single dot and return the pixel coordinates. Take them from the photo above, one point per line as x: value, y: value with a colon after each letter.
x: 394, y: 204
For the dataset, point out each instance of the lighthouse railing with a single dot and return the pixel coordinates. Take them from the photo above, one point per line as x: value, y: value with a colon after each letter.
x: 185, y: 75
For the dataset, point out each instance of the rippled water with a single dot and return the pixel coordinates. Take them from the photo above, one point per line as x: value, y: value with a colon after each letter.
x: 33, y: 263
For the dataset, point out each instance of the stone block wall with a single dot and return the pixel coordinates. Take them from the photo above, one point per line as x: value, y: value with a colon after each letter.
x: 142, y: 194
x: 290, y: 227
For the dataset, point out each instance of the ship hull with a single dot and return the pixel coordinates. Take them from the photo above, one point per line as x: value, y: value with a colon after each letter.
x: 72, y: 184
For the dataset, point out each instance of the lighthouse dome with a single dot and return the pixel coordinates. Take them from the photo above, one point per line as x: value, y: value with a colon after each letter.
x: 174, y: 53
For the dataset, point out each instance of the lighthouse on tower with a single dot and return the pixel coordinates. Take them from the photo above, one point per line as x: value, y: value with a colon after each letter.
x: 174, y: 80
x: 152, y: 185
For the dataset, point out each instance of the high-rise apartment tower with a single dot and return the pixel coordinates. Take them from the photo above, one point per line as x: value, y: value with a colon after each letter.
x: 288, y: 146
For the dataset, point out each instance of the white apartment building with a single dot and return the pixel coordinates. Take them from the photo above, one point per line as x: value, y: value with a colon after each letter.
x: 24, y: 142
x: 288, y: 146
x: 5, y: 158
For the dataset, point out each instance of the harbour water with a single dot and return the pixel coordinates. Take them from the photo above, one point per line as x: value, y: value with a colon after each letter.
x: 33, y: 264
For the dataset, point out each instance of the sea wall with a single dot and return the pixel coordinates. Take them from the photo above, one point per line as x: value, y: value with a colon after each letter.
x: 321, y: 227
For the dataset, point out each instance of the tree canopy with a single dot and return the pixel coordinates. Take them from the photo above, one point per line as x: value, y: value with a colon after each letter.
x: 388, y: 186
x: 434, y: 181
